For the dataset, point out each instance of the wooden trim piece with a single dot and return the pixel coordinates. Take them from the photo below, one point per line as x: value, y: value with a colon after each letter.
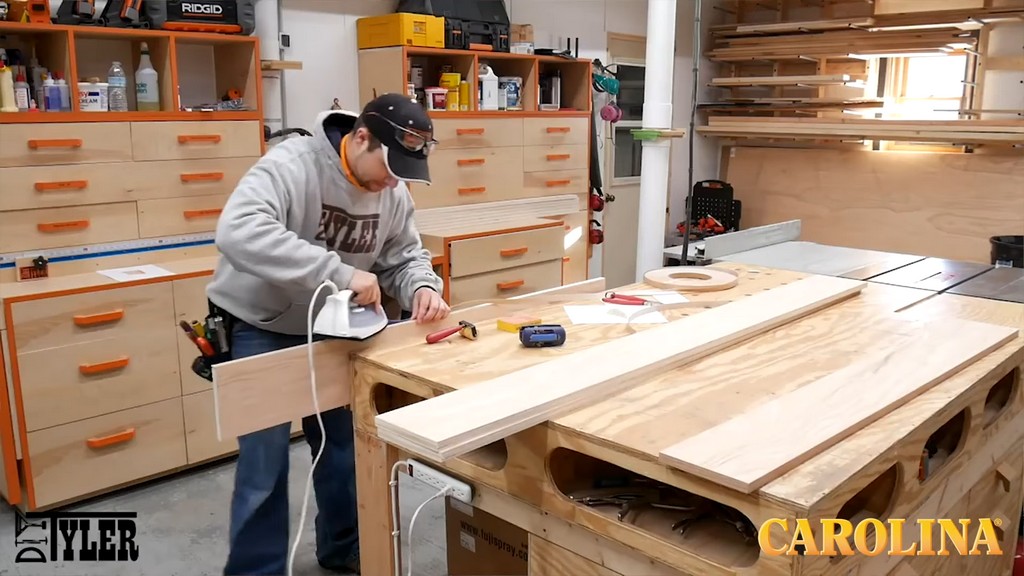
x: 8, y: 452
x: 19, y: 406
x: 845, y: 401
x: 453, y: 424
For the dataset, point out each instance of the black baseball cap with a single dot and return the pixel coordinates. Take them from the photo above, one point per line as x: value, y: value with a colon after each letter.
x: 406, y: 133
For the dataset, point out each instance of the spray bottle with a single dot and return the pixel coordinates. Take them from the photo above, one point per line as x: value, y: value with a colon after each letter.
x: 147, y: 88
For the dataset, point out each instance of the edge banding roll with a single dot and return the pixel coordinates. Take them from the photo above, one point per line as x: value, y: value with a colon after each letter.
x: 692, y: 278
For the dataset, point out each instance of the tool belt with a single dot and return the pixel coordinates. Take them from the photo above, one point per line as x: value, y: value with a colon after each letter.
x: 223, y: 324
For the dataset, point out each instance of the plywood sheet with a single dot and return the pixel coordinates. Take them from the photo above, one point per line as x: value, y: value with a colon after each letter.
x: 760, y: 445
x: 450, y: 425
x: 931, y: 204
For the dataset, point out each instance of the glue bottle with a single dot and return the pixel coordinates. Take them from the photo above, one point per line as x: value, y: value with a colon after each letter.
x: 488, y: 88
x: 7, y: 103
x: 22, y: 94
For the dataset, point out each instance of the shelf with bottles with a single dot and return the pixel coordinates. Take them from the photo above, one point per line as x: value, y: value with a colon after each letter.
x: 517, y: 81
x: 217, y: 74
x: 428, y: 72
x: 95, y: 55
x: 33, y: 55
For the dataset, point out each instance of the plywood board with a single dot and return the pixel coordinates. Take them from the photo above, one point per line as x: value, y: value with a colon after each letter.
x: 760, y: 445
x: 450, y: 425
x: 930, y: 204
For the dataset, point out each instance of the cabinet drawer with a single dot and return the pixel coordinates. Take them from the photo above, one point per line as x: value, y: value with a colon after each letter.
x: 64, y: 143
x: 555, y: 131
x: 100, y: 453
x: 61, y: 385
x: 575, y: 243
x: 555, y: 183
x: 471, y: 176
x: 70, y: 226
x: 478, y: 132
x: 190, y: 305
x: 502, y: 251
x: 181, y: 178
x: 67, y: 185
x: 507, y: 283
x: 547, y: 158
x: 195, y: 140
x: 133, y: 312
x: 169, y: 216
x: 201, y: 429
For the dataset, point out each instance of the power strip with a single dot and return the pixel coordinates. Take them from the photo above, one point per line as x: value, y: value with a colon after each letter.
x: 459, y: 489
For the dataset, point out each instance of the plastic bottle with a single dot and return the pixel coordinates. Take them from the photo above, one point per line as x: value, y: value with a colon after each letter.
x: 52, y: 94
x: 22, y: 94
x: 65, y: 94
x: 147, y: 84
x: 488, y: 88
x: 7, y: 90
x: 117, y: 81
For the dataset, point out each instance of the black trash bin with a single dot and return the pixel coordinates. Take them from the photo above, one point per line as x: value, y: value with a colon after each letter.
x: 1007, y: 251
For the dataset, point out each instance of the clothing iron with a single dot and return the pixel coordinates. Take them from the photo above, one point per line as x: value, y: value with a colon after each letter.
x: 342, y: 318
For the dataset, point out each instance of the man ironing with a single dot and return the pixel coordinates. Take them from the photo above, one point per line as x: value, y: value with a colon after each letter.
x: 331, y: 207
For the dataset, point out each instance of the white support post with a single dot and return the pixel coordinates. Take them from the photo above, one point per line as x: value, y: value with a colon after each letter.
x: 654, y: 172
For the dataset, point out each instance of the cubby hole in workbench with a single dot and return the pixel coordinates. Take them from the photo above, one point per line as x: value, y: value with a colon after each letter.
x: 492, y: 457
x: 943, y: 445
x: 728, y: 538
x: 872, y: 501
x: 1000, y: 396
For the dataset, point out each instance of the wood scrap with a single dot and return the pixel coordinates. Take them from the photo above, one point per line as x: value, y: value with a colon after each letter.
x: 955, y: 131
x: 815, y: 80
x: 453, y: 424
x: 760, y: 445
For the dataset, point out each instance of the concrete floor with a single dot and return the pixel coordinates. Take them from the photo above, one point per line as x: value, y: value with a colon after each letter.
x: 175, y: 539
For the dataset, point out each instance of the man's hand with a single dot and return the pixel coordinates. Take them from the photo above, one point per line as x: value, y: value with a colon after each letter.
x: 428, y: 306
x: 364, y: 284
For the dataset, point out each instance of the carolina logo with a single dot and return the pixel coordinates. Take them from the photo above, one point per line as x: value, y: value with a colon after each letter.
x: 967, y: 537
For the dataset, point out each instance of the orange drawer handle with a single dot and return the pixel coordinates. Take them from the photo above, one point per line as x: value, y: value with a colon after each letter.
x: 57, y: 143
x: 556, y: 157
x: 101, y: 318
x: 187, y: 138
x: 507, y: 252
x: 556, y: 129
x: 465, y: 131
x: 477, y: 190
x: 189, y: 214
x: 67, y: 185
x: 101, y: 367
x: 104, y: 441
x: 554, y: 183
x: 472, y: 161
x: 510, y: 285
x: 203, y: 177
x: 61, y: 226
x: 565, y: 259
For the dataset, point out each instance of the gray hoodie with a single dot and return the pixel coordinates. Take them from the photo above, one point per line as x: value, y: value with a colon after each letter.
x: 294, y: 220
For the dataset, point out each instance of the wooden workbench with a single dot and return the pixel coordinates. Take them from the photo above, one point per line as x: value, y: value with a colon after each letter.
x: 874, y: 473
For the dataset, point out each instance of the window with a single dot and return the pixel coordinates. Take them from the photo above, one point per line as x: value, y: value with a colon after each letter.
x: 627, y: 152
x: 926, y: 87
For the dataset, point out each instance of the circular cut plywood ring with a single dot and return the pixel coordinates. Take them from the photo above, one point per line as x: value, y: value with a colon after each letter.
x: 692, y: 278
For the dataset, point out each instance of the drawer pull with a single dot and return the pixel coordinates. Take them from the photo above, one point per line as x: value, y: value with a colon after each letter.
x: 101, y: 318
x: 558, y: 130
x: 557, y: 157
x: 104, y: 441
x: 205, y: 138
x: 558, y: 183
x: 56, y: 143
x: 61, y: 226
x: 469, y: 131
x: 203, y: 177
x: 472, y: 161
x: 67, y: 185
x: 101, y: 367
x: 565, y: 259
x: 476, y: 190
x: 190, y: 214
x: 510, y: 285
x: 509, y: 252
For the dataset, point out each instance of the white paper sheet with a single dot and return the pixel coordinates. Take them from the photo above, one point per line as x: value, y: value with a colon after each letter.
x: 611, y: 314
x: 132, y: 273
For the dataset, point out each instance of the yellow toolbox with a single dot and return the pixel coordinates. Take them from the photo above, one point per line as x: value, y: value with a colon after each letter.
x: 400, y: 29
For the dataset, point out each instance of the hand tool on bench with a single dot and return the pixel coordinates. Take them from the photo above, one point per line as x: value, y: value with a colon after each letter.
x: 542, y: 335
x: 465, y: 329
x: 626, y: 299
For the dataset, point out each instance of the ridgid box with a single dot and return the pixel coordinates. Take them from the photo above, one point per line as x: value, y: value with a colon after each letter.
x: 480, y: 544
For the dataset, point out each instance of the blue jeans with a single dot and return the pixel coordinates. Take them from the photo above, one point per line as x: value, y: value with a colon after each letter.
x: 259, y: 506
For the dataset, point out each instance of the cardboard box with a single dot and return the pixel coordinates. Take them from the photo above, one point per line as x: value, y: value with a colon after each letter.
x: 521, y: 33
x: 480, y: 544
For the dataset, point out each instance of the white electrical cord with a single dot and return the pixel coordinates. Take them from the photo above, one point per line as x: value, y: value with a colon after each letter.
x: 396, y: 539
x: 319, y: 419
x: 443, y: 492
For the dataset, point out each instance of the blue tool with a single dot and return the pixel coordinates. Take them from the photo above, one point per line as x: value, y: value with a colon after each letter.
x: 542, y: 335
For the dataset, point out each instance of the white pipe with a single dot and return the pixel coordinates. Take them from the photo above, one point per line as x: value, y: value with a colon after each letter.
x: 654, y: 173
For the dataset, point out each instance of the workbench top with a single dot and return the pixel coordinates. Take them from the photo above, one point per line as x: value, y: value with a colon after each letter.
x: 655, y: 414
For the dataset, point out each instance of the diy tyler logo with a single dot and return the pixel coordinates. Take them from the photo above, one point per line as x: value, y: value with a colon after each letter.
x: 894, y: 537
x: 42, y: 537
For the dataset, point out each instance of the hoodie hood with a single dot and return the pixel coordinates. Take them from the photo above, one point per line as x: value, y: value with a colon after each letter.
x: 331, y: 126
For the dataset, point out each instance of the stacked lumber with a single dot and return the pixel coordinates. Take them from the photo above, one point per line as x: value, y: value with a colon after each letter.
x: 836, y: 44
x: 943, y: 131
